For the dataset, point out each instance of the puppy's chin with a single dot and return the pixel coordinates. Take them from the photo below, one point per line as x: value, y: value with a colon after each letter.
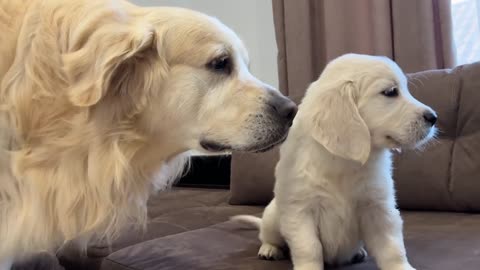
x: 392, y: 142
x: 427, y: 137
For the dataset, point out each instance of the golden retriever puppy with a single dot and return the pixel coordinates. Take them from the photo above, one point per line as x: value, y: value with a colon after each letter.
x: 97, y: 95
x: 334, y: 190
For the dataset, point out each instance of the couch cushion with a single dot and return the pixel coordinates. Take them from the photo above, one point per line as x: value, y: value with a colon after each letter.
x: 41, y: 261
x: 170, y: 212
x: 443, y: 176
x: 181, y: 210
x: 446, y: 175
x: 435, y: 241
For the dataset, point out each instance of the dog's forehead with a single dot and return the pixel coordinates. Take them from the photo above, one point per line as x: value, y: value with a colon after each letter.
x: 229, y: 39
x: 201, y: 32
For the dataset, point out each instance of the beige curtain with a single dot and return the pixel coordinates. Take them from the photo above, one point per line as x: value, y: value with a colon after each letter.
x: 417, y: 34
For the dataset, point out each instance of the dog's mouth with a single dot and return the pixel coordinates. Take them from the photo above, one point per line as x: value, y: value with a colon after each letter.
x: 213, y: 146
x: 268, y: 146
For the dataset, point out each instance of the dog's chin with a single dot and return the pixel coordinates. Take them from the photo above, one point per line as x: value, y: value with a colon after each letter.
x: 212, y: 146
x: 265, y: 147
x: 258, y: 147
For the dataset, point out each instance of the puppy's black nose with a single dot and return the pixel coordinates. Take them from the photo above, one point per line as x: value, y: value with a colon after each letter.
x: 430, y: 117
x: 284, y: 107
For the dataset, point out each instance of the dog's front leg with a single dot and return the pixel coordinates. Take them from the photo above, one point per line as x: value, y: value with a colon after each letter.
x: 300, y: 233
x: 382, y: 232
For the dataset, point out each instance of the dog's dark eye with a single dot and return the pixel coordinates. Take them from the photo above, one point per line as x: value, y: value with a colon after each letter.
x: 391, y: 92
x: 221, y: 64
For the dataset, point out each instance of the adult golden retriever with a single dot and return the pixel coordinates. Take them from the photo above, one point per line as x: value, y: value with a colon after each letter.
x: 97, y: 95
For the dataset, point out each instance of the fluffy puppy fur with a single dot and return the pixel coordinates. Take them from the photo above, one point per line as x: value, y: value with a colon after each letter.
x: 96, y: 95
x: 334, y: 191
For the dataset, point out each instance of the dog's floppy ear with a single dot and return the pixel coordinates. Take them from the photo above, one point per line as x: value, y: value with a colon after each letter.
x: 92, y: 64
x: 337, y: 123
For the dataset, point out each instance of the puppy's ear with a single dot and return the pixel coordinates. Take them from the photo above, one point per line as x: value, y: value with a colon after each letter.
x: 92, y: 63
x: 337, y: 123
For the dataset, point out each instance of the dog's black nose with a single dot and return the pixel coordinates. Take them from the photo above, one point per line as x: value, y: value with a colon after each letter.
x: 284, y: 107
x: 430, y: 117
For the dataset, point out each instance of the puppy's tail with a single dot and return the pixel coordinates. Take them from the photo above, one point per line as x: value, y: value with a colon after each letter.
x: 254, y: 221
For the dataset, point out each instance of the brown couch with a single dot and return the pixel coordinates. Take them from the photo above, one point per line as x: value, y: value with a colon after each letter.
x: 438, y: 191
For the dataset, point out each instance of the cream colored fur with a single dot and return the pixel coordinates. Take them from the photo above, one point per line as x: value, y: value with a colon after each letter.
x: 97, y: 96
x: 334, y: 191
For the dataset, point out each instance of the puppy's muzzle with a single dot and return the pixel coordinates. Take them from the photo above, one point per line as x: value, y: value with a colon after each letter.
x: 430, y: 117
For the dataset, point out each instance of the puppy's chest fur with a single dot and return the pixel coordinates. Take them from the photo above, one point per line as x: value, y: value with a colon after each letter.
x: 336, y: 213
x: 336, y: 192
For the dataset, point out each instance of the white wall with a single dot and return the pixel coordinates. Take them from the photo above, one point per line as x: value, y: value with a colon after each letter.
x: 252, y: 20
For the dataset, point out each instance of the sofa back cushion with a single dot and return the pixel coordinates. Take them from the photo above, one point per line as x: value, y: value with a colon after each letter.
x: 443, y: 176
x: 446, y: 176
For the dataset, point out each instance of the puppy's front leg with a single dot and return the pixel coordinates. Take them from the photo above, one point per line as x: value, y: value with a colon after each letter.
x: 300, y: 233
x: 382, y: 231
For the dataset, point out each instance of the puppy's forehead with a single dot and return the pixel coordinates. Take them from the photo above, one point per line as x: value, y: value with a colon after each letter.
x: 389, y: 69
x: 378, y: 67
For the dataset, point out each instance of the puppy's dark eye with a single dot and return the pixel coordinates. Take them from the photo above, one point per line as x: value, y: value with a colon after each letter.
x: 391, y: 92
x: 221, y: 64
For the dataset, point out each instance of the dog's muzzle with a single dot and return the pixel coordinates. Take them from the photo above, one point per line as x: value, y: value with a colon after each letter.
x: 284, y: 108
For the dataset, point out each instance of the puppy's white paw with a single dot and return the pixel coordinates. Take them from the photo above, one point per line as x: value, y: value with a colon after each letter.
x: 270, y: 252
x: 360, y: 256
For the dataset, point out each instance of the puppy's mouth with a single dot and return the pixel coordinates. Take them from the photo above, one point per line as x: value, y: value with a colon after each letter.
x: 213, y: 146
x: 394, y: 142
x: 397, y: 145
